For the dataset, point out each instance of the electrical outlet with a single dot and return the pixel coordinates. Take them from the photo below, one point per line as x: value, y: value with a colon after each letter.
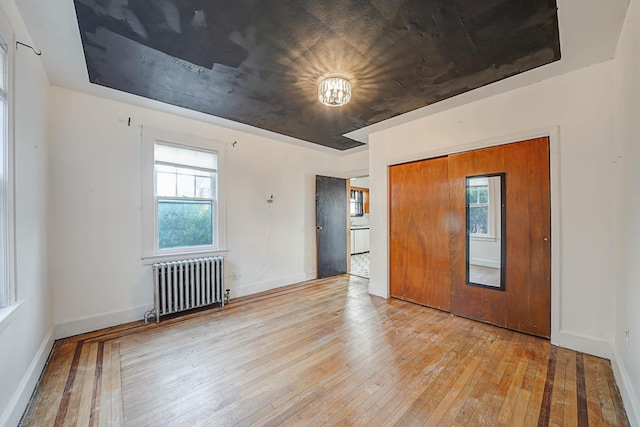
x: 626, y: 337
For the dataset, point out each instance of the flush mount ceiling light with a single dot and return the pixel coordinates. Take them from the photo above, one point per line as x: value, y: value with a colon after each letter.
x: 334, y: 92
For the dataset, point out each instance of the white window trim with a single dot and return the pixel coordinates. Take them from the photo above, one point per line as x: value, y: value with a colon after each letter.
x: 492, y: 218
x: 8, y: 219
x: 214, y: 205
x: 8, y: 313
x: 149, y: 136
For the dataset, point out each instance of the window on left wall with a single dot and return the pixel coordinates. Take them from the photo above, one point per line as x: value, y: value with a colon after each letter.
x: 7, y: 291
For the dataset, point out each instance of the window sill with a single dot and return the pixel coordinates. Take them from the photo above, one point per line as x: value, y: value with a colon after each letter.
x: 152, y: 259
x: 7, y: 314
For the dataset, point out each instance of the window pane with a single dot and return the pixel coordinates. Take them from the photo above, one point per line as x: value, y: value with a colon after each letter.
x: 483, y: 194
x: 472, y: 195
x: 184, y: 156
x: 356, y: 205
x: 186, y: 186
x: 184, y: 223
x: 203, y: 187
x: 166, y: 184
x: 478, y: 219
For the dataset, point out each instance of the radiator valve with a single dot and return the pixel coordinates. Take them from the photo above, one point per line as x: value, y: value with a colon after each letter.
x: 227, y: 297
x: 150, y: 313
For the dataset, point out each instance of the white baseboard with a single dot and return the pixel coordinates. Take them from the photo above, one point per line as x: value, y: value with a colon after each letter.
x: 629, y: 395
x: 86, y: 324
x: 254, y: 288
x: 484, y: 262
x: 585, y: 344
x: 100, y: 321
x: 20, y: 400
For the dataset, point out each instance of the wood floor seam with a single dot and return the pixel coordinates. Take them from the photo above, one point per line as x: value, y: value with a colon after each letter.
x: 545, y: 407
x: 64, y: 403
x: 583, y: 416
x: 97, y: 384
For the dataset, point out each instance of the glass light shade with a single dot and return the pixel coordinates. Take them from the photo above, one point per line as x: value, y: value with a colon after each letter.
x: 334, y: 92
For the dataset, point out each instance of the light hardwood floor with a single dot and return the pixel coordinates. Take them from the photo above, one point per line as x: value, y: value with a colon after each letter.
x: 321, y: 353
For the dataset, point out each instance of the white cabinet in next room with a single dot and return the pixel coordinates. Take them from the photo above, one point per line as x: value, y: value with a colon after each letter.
x: 359, y: 241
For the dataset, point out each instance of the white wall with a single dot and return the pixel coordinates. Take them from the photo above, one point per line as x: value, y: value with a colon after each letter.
x: 26, y: 339
x: 355, y: 164
x: 95, y: 244
x: 485, y: 253
x: 577, y: 108
x: 627, y: 128
x: 362, y: 182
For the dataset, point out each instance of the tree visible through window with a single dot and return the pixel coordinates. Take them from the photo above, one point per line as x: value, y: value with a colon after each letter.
x: 185, y: 194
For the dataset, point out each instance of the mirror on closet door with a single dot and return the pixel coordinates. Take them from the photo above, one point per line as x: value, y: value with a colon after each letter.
x: 485, y: 230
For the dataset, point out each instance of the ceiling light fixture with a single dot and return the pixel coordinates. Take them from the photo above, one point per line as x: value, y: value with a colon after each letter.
x: 334, y: 92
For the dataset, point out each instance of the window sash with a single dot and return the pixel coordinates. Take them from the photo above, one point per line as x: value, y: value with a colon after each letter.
x: 482, y: 183
x: 182, y: 172
x: 182, y: 168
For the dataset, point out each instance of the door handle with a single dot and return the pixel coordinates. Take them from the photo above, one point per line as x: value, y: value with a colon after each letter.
x: 318, y: 228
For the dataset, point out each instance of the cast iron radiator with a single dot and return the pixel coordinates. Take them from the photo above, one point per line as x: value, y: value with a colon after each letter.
x: 187, y: 284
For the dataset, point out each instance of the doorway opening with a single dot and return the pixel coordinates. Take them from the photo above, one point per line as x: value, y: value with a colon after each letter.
x: 359, y: 208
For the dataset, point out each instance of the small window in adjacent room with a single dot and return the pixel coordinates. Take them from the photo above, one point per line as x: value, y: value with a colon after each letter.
x: 356, y: 203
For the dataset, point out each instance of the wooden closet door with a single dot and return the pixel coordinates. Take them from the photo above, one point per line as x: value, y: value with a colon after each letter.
x: 525, y: 303
x: 419, y: 233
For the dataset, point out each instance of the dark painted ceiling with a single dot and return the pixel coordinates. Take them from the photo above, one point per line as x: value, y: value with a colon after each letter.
x: 258, y: 62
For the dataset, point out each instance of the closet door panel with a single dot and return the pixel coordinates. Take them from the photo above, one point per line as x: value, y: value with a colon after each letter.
x: 525, y: 303
x: 485, y: 305
x: 419, y: 233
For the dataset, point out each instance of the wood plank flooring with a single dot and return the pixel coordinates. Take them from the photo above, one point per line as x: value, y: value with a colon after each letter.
x: 323, y: 352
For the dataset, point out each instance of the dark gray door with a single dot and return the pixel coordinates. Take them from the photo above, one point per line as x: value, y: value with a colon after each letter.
x: 331, y: 225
